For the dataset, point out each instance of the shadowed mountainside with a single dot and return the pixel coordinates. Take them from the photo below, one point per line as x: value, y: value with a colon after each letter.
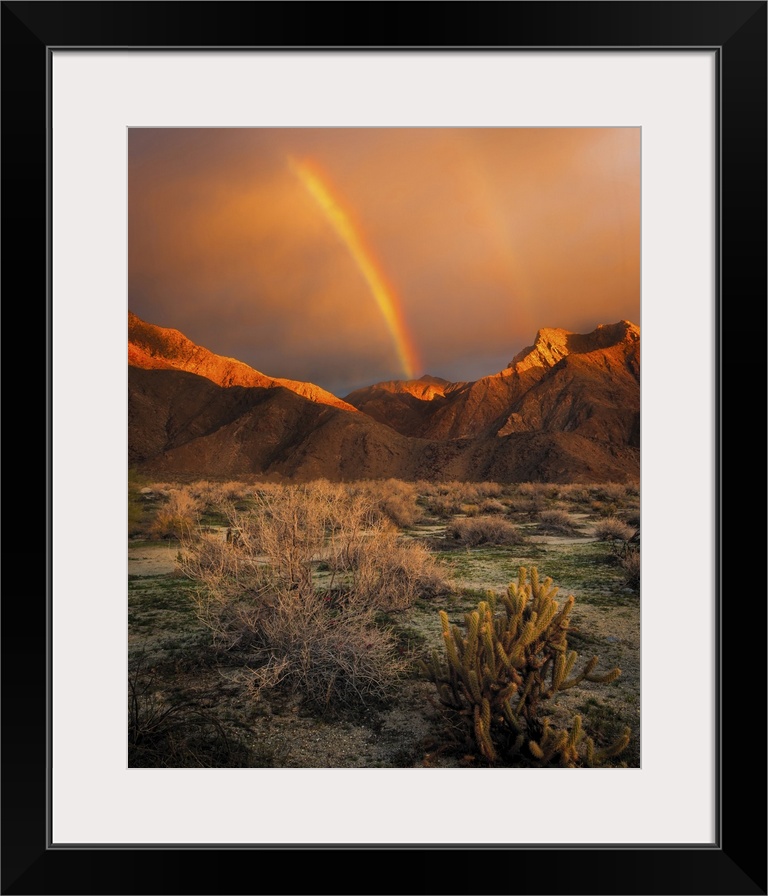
x: 565, y: 410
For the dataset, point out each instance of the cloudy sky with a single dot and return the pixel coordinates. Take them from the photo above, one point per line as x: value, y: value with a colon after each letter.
x: 344, y: 256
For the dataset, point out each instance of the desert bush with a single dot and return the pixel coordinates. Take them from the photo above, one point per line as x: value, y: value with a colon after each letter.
x: 610, y: 491
x: 258, y: 593
x: 556, y: 521
x: 484, y: 530
x: 545, y: 490
x: 630, y: 563
x: 529, y: 504
x: 333, y: 656
x: 392, y: 499
x: 489, y: 489
x: 178, y: 516
x: 604, y: 509
x: 500, y: 670
x: 443, y: 506
x: 469, y: 509
x: 464, y: 492
x: 207, y: 492
x: 492, y: 505
x: 576, y: 493
x: 613, y: 529
x: 235, y: 490
x: 390, y: 573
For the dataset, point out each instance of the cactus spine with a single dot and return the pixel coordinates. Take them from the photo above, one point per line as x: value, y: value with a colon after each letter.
x: 504, y: 663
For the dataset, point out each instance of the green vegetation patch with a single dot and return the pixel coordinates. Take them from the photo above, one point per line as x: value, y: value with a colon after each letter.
x: 159, y: 604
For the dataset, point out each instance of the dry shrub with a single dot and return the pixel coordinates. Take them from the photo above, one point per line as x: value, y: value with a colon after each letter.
x: 178, y: 516
x: 545, y: 490
x: 630, y: 562
x: 484, y: 530
x: 576, y: 493
x: 401, y: 509
x: 470, y: 509
x: 556, y: 521
x: 610, y: 491
x: 208, y: 493
x: 604, y: 509
x: 526, y: 504
x: 443, y: 506
x: 392, y: 499
x: 257, y: 592
x: 461, y: 492
x: 489, y: 489
x: 465, y: 492
x: 266, y: 489
x: 233, y: 587
x: 333, y: 656
x: 391, y: 573
x: 236, y: 490
x: 493, y: 505
x: 613, y: 529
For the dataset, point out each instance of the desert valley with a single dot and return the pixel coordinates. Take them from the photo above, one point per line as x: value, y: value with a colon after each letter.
x: 419, y: 573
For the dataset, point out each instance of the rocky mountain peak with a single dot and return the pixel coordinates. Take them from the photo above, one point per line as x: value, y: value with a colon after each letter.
x: 553, y: 344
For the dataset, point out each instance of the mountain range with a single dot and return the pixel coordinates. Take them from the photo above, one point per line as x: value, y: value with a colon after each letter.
x: 565, y: 409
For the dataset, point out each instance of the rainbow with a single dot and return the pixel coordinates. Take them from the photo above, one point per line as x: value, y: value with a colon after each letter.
x: 352, y: 238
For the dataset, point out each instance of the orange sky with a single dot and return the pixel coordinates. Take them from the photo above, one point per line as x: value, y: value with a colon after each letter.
x: 345, y: 256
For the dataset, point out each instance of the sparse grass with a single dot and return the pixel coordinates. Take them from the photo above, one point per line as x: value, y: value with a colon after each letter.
x: 588, y: 569
x: 138, y: 521
x: 175, y: 731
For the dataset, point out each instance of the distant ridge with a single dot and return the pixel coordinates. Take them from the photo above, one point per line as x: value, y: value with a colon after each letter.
x: 152, y: 348
x: 564, y: 382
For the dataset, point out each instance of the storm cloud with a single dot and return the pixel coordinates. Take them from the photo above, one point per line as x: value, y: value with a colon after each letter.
x: 482, y: 236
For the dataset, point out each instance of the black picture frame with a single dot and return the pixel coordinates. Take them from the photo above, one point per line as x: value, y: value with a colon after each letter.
x: 736, y: 862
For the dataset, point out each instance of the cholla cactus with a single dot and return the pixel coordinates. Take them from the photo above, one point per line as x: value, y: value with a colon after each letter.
x: 498, y: 671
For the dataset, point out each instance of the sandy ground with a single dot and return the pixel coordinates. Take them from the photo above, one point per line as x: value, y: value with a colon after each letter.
x: 407, y: 732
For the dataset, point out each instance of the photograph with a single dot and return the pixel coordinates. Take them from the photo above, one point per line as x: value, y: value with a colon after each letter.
x: 362, y: 512
x: 384, y: 447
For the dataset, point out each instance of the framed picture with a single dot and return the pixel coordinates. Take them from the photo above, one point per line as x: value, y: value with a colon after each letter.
x: 691, y: 78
